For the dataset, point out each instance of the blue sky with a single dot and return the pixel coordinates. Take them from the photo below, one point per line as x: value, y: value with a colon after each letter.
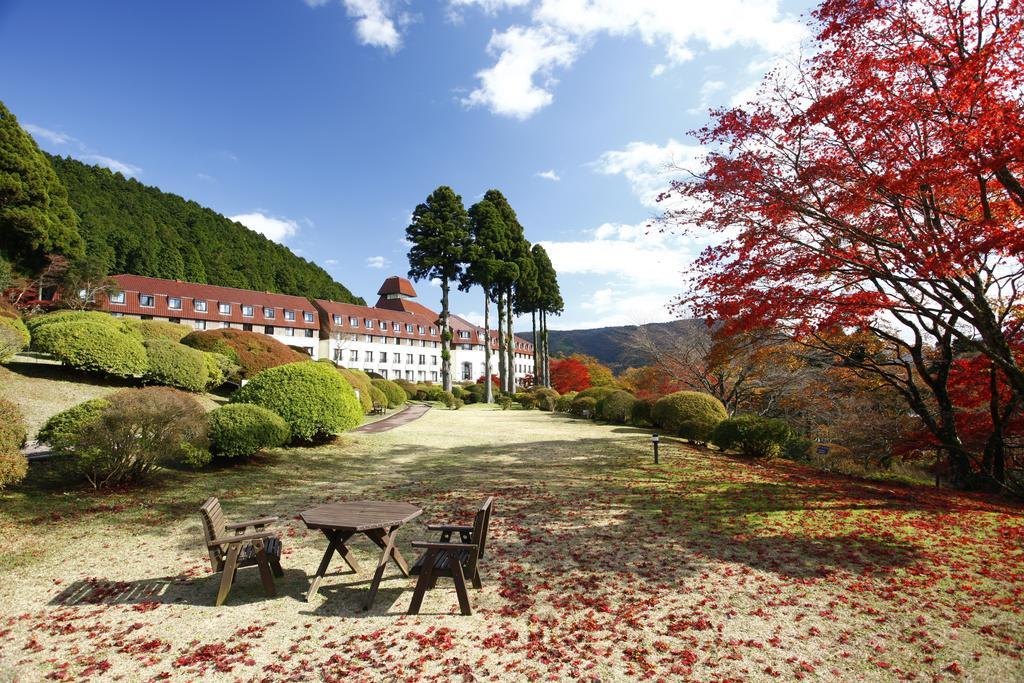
x: 322, y: 123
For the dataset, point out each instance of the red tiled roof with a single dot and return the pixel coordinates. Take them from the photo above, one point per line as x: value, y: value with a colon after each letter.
x: 133, y: 286
x: 396, y: 285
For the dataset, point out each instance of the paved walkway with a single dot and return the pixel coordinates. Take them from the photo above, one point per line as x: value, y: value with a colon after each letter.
x: 413, y: 412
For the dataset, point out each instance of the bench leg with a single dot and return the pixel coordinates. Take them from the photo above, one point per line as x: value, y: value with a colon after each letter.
x: 227, y: 576
x: 275, y: 565
x: 476, y: 579
x: 426, y: 573
x: 460, y: 586
x: 265, y: 575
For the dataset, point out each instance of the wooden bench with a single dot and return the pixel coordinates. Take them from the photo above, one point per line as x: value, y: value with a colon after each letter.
x: 231, y: 546
x: 453, y: 559
x: 378, y: 409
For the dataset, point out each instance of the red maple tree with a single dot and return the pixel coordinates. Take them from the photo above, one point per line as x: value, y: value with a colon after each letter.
x: 569, y: 374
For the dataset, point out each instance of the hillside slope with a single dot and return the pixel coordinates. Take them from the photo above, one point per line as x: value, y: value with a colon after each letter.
x: 613, y: 346
x: 142, y: 230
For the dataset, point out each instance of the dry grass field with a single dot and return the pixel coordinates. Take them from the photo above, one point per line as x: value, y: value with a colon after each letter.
x: 601, y: 566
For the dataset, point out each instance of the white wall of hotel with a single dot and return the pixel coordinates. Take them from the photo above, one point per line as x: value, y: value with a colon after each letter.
x: 289, y: 336
x: 416, y: 360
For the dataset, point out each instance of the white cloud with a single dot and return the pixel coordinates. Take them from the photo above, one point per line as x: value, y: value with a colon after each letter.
x: 114, y: 165
x: 475, y: 319
x: 375, y: 21
x: 707, y: 93
x: 520, y: 82
x: 648, y: 167
x: 523, y: 56
x: 377, y: 262
x: 548, y: 175
x: 331, y: 262
x: 55, y: 137
x: 275, y: 228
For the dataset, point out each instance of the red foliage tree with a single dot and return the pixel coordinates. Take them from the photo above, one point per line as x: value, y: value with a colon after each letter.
x: 494, y: 379
x: 875, y: 186
x: 569, y: 374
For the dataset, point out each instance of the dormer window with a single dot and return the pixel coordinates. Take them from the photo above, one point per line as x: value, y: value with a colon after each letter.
x: 353, y: 321
x: 368, y: 323
x: 247, y: 311
x: 199, y: 305
x: 174, y: 303
x: 408, y: 327
x: 117, y: 298
x: 147, y: 300
x: 269, y: 313
x: 433, y: 331
x: 397, y: 327
x: 307, y: 316
x: 289, y: 315
x: 224, y: 309
x: 337, y: 319
x: 419, y: 328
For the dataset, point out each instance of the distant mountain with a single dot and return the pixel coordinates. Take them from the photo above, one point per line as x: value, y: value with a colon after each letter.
x: 141, y: 230
x: 613, y: 346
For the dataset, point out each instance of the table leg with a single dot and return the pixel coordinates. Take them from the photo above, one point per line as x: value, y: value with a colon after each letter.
x: 386, y: 540
x: 335, y: 542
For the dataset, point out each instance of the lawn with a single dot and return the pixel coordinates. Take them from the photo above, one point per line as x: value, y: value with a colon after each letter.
x: 601, y: 566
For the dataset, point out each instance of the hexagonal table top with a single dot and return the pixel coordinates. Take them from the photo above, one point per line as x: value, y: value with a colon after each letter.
x: 360, y: 515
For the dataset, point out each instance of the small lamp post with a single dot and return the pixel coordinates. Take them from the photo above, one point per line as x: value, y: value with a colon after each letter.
x: 654, y: 442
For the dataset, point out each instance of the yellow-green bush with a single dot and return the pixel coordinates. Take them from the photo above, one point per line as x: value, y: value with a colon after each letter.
x: 92, y: 347
x: 158, y: 329
x: 395, y: 394
x: 361, y: 382
x: 242, y: 429
x: 175, y: 365
x: 313, y: 398
x: 690, y: 414
x: 616, y: 407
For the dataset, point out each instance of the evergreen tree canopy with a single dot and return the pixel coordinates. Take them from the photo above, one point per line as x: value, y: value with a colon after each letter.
x: 136, y: 229
x: 485, y: 265
x: 35, y: 216
x: 439, y: 234
x: 547, y: 282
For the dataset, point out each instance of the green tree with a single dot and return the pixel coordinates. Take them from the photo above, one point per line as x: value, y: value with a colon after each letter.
x: 512, y: 256
x: 35, y: 216
x: 550, y: 301
x: 528, y: 294
x: 439, y: 234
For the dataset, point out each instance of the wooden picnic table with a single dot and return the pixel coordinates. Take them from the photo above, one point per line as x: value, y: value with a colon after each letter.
x: 377, y: 520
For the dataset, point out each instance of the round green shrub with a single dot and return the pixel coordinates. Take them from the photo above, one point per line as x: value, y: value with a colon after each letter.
x: 12, y: 427
x: 93, y: 347
x: 544, y: 398
x: 690, y: 414
x: 797, y: 448
x: 476, y: 393
x: 640, y: 412
x: 448, y: 399
x: 459, y: 392
x: 360, y: 382
x: 38, y: 322
x: 596, y: 393
x: 313, y: 398
x: 396, y: 394
x: 408, y: 387
x: 616, y: 407
x: 564, y: 402
x: 13, y: 468
x: 505, y: 402
x: 158, y: 329
x: 239, y: 430
x: 378, y: 396
x: 18, y: 326
x: 60, y: 429
x: 753, y: 436
x: 175, y: 365
x: 585, y: 406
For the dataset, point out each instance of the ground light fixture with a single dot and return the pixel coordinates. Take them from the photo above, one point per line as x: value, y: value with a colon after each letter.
x: 654, y: 442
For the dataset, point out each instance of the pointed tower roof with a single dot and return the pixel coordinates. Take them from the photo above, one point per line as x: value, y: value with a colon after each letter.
x: 396, y: 285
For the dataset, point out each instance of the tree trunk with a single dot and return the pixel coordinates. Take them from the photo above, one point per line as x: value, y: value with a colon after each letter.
x: 488, y: 385
x: 510, y: 361
x: 501, y: 341
x: 537, y: 378
x: 446, y: 340
x: 545, y: 359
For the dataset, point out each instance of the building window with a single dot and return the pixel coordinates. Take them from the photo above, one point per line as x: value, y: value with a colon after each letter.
x: 422, y: 375
x: 433, y: 360
x: 396, y: 327
x: 467, y: 371
x: 247, y: 327
x: 383, y: 373
x: 353, y: 355
x: 289, y: 331
x: 224, y: 309
x: 307, y: 316
x: 353, y: 321
x: 409, y: 375
x: 383, y: 356
x: 309, y: 333
x: 408, y: 327
x: 174, y: 303
x: 382, y: 325
x: 269, y: 313
x: 176, y: 321
x: 463, y: 334
x: 199, y: 305
x: 268, y: 329
x: 200, y: 324
x: 433, y: 376
x: 337, y: 319
x: 408, y: 358
x: 368, y: 323
x: 369, y: 356
x: 147, y: 300
x: 289, y: 315
x: 423, y: 359
x: 117, y: 298
x: 419, y: 328
x: 433, y: 331
x: 247, y: 311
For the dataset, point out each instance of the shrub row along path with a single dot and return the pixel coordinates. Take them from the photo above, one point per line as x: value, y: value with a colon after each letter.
x: 600, y: 566
x: 411, y: 412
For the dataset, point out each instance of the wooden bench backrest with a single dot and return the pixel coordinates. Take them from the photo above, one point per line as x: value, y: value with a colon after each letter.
x: 480, y: 524
x: 213, y: 527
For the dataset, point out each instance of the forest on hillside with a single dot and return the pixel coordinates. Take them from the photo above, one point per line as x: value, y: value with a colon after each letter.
x: 134, y: 228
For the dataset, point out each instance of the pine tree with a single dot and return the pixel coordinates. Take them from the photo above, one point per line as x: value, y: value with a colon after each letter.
x: 550, y: 301
x: 439, y: 234
x: 484, y: 268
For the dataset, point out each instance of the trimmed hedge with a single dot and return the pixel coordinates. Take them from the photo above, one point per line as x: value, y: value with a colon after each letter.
x: 616, y: 407
x: 313, y: 398
x: 38, y: 322
x: 18, y: 325
x: 564, y: 402
x: 175, y: 365
x: 640, y: 412
x: 378, y: 396
x: 240, y: 430
x: 361, y: 382
x: 158, y: 329
x: 753, y: 436
x: 11, y: 341
x: 408, y: 387
x: 60, y: 429
x: 395, y: 394
x: 690, y: 414
x: 93, y: 347
x: 252, y: 352
x: 585, y: 406
x: 546, y: 399
x: 13, y: 465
